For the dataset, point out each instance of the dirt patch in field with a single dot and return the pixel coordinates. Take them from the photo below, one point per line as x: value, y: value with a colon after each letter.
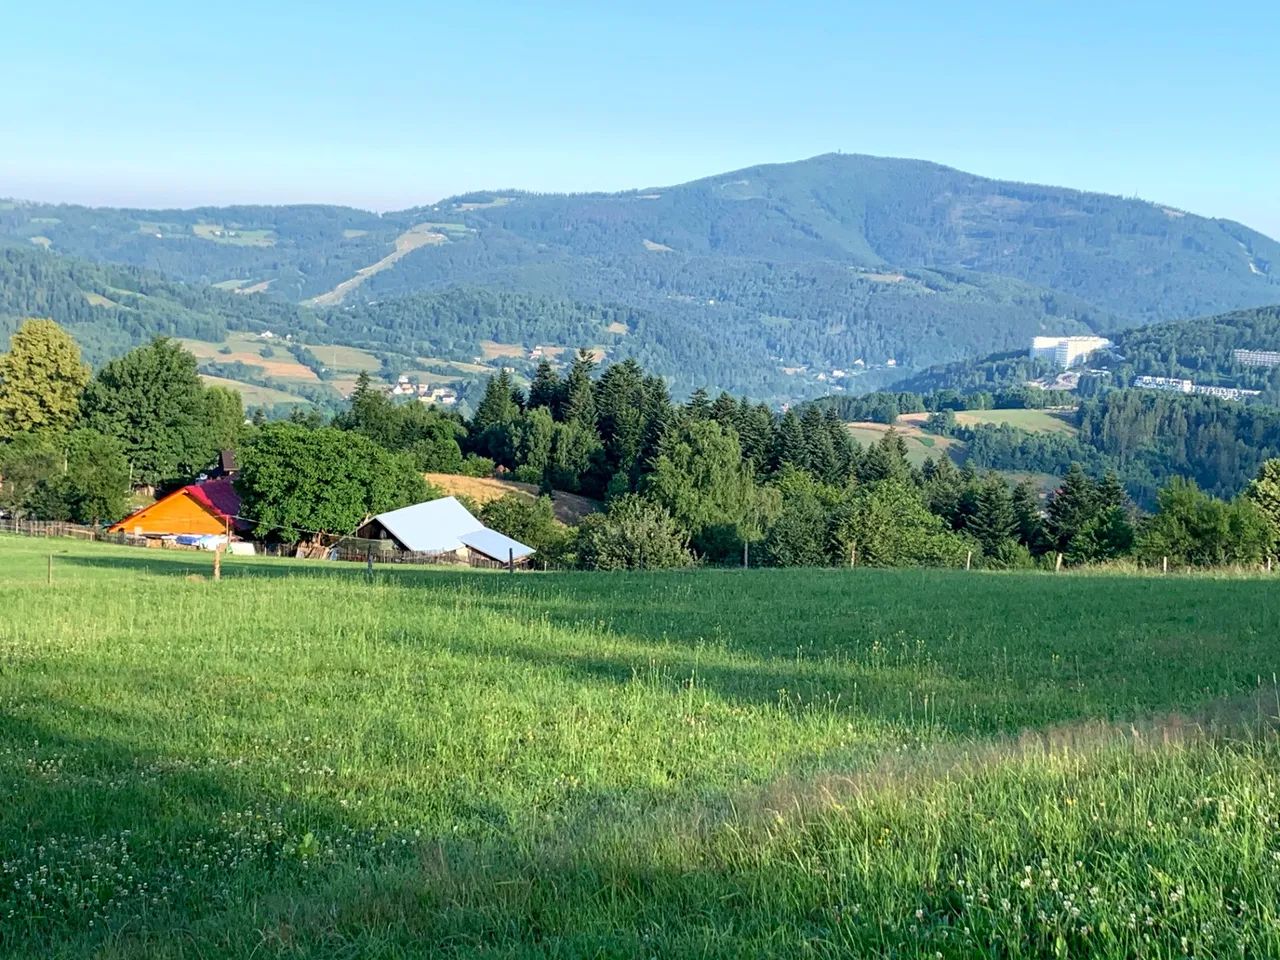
x: 617, y: 327
x: 256, y: 288
x: 569, y: 508
x: 656, y: 247
x: 491, y: 350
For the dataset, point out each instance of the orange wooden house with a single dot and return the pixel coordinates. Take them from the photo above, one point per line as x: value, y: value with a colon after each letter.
x: 211, y: 507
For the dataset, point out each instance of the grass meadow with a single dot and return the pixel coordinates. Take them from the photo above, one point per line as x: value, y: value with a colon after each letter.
x: 300, y: 761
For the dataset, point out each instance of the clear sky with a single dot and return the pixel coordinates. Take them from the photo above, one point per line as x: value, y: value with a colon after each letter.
x: 393, y: 103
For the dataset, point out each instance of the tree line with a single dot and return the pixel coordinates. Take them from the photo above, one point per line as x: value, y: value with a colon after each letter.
x: 713, y: 480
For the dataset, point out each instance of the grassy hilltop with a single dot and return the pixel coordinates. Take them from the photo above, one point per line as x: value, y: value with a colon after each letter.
x: 299, y: 762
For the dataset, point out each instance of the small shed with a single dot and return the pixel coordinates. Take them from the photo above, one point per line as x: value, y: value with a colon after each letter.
x: 443, y: 526
x: 207, y: 508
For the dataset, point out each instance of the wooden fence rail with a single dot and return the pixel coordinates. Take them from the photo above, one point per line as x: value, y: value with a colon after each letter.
x: 75, y: 531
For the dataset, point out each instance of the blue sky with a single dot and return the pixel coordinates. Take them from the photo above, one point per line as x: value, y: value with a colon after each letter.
x: 392, y: 104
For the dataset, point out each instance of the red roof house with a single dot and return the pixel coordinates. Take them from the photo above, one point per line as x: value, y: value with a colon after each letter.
x: 210, y: 507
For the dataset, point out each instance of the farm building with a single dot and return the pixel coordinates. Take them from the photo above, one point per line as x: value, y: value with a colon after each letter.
x: 211, y: 507
x: 443, y: 526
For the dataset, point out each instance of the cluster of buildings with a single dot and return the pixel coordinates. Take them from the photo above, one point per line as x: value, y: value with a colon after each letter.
x: 1174, y: 385
x: 206, y: 516
x: 445, y: 396
x: 1064, y: 352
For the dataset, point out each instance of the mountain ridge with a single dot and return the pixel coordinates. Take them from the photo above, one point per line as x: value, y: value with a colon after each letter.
x: 809, y: 266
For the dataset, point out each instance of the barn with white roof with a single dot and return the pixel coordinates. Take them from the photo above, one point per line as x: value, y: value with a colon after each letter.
x: 440, y: 527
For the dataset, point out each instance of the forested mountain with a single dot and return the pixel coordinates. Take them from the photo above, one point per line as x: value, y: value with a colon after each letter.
x: 808, y: 267
x: 109, y: 308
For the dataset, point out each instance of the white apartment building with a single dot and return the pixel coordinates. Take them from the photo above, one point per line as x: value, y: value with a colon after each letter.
x: 1186, y: 386
x: 1066, y: 352
x: 1257, y: 358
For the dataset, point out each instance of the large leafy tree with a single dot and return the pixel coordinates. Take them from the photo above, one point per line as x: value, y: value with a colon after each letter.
x: 1264, y: 491
x: 888, y: 525
x: 300, y: 484
x: 224, y: 414
x: 27, y: 462
x: 1192, y: 528
x: 80, y: 476
x: 701, y: 478
x: 152, y: 400
x: 41, y: 379
x: 801, y: 534
x: 92, y: 485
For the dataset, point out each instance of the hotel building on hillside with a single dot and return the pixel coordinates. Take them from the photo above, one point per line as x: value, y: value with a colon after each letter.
x: 1065, y: 352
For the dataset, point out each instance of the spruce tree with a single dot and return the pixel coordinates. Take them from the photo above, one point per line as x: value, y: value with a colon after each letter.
x: 699, y: 405
x: 547, y: 389
x: 725, y: 410
x: 1029, y: 523
x: 1072, y: 506
x: 789, y: 445
x: 993, y: 521
x: 579, y: 391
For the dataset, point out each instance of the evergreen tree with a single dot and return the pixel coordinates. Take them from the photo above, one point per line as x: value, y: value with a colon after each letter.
x: 994, y: 520
x: 547, y: 389
x: 1029, y: 523
x: 843, y: 445
x: 755, y: 430
x: 1073, y: 505
x: 579, y: 392
x: 789, y: 446
x: 725, y: 410
x: 699, y: 405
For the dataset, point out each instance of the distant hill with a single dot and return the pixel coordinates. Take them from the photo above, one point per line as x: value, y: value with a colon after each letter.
x: 789, y: 272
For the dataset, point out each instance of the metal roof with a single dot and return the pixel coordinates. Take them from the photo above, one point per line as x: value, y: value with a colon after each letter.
x: 496, y: 545
x: 435, y: 526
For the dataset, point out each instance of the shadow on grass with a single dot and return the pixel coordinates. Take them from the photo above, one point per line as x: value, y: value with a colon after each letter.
x: 992, y: 653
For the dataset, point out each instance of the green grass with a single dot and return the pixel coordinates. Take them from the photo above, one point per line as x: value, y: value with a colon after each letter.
x: 351, y: 359
x: 242, y: 238
x: 1037, y: 421
x: 251, y: 394
x: 296, y: 761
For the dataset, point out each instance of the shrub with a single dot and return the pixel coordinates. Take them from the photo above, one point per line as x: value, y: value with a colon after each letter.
x: 636, y: 534
x: 477, y: 466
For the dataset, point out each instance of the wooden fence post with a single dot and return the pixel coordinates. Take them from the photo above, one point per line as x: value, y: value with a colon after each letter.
x: 1057, y: 564
x: 217, y: 564
x: 968, y: 560
x: 1164, y: 564
x: 746, y: 562
x: 51, y: 569
x: 511, y: 560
